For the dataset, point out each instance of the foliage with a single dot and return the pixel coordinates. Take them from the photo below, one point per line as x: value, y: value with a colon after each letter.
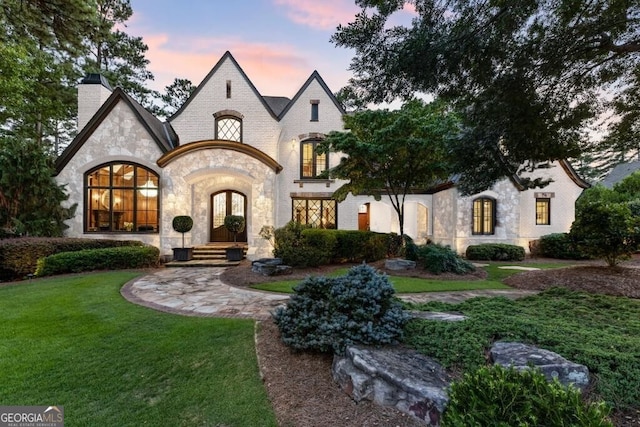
x: 30, y: 199
x: 497, y: 396
x: 329, y: 314
x: 559, y: 246
x: 579, y: 326
x: 234, y: 224
x: 98, y: 259
x: 495, y: 252
x: 71, y: 336
x: 303, y: 246
x: 182, y: 224
x: 527, y: 77
x: 392, y: 152
x: 176, y: 94
x: 19, y: 257
x: 441, y: 259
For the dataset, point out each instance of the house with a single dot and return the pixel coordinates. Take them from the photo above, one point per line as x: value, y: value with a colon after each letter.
x: 231, y: 150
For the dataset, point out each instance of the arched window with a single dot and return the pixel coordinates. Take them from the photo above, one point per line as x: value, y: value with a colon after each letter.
x: 121, y: 197
x: 228, y: 125
x: 484, y: 216
x: 312, y: 163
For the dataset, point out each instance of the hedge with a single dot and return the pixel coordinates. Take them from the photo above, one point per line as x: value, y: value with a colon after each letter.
x: 98, y: 259
x: 495, y: 252
x: 560, y: 246
x: 19, y: 257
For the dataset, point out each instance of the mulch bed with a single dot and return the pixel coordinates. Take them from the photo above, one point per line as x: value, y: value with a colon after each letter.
x: 300, y: 386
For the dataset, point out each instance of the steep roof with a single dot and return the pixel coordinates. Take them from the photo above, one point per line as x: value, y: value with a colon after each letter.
x: 619, y: 173
x: 162, y: 133
x: 208, y: 77
x: 277, y: 103
x: 314, y: 76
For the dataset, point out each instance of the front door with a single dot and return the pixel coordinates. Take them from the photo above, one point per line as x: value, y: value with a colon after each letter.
x: 363, y: 217
x: 223, y: 203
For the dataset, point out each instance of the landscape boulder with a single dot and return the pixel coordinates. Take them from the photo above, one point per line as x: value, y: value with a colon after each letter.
x: 394, y: 376
x: 399, y: 264
x: 552, y: 365
x: 270, y: 267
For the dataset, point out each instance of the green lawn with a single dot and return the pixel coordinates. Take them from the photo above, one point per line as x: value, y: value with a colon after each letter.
x: 411, y: 284
x: 75, y: 342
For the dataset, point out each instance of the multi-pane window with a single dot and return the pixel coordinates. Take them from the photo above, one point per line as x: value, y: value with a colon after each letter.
x: 484, y: 216
x: 121, y: 197
x: 229, y: 129
x: 543, y: 211
x: 312, y: 163
x: 319, y: 213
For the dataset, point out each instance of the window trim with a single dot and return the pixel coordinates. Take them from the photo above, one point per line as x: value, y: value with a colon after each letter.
x: 110, y: 188
x: 547, y: 202
x: 322, y: 200
x: 314, y: 163
x: 482, y: 231
x: 315, y: 110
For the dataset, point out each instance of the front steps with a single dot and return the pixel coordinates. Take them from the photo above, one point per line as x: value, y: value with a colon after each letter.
x: 209, y: 255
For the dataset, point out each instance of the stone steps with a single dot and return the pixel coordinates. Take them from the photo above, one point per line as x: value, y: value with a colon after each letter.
x: 210, y: 255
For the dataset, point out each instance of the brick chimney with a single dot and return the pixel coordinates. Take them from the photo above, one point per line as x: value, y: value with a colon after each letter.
x: 93, y: 91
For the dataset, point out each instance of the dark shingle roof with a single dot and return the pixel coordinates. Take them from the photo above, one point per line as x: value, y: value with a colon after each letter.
x: 277, y: 103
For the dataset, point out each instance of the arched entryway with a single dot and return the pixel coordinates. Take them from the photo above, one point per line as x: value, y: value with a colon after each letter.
x: 223, y: 203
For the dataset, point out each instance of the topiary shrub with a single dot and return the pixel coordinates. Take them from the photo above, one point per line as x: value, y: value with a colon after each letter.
x: 495, y: 252
x: 497, y: 396
x: 234, y: 224
x: 559, y: 246
x: 329, y: 314
x: 441, y: 259
x: 182, y: 224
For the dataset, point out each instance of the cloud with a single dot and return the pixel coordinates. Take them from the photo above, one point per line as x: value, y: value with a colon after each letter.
x: 323, y: 14
x: 275, y: 69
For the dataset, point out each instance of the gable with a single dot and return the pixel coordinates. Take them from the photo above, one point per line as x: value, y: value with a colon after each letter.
x: 161, y: 133
x: 314, y: 78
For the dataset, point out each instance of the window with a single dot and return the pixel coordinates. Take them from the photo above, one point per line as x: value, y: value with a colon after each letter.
x: 229, y: 129
x: 543, y: 211
x: 484, y: 216
x: 315, y: 110
x: 319, y: 213
x: 121, y: 197
x: 228, y: 89
x: 312, y: 163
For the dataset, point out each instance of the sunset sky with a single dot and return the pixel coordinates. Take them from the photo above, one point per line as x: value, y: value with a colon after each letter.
x: 278, y: 43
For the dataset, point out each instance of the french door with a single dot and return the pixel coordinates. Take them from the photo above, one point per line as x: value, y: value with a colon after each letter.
x: 223, y: 203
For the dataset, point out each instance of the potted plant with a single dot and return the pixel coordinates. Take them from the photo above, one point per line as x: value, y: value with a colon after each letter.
x: 235, y: 225
x: 182, y: 224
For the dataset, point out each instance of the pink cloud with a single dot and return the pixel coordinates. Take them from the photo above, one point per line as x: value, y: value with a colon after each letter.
x: 325, y: 14
x: 273, y: 69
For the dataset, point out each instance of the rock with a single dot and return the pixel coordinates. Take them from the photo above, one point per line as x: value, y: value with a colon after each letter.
x: 393, y: 376
x: 270, y: 267
x: 552, y: 365
x: 437, y: 315
x: 399, y: 264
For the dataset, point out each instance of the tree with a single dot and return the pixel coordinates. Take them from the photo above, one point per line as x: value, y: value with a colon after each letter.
x: 175, y: 95
x: 527, y: 76
x: 607, y: 223
x: 30, y: 199
x: 392, y: 152
x: 117, y: 55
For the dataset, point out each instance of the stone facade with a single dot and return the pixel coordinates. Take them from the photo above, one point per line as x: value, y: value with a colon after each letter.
x: 192, y: 164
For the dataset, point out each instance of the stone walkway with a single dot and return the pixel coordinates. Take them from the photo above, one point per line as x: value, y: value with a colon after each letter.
x: 198, y: 291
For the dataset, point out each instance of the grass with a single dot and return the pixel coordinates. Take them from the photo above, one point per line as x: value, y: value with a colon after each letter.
x: 403, y: 284
x: 601, y: 332
x: 75, y: 342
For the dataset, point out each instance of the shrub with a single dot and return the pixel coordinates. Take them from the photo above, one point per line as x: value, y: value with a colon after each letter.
x: 441, y: 259
x: 358, y: 246
x: 234, y: 224
x: 496, y: 396
x: 495, y: 252
x: 292, y: 248
x: 182, y: 224
x: 329, y: 314
x: 98, y: 259
x: 560, y: 246
x: 19, y: 257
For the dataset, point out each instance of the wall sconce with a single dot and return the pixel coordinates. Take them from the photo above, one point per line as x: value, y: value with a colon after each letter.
x: 148, y: 189
x: 293, y: 143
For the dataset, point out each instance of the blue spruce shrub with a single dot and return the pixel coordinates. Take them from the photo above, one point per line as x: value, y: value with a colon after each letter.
x: 329, y: 314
